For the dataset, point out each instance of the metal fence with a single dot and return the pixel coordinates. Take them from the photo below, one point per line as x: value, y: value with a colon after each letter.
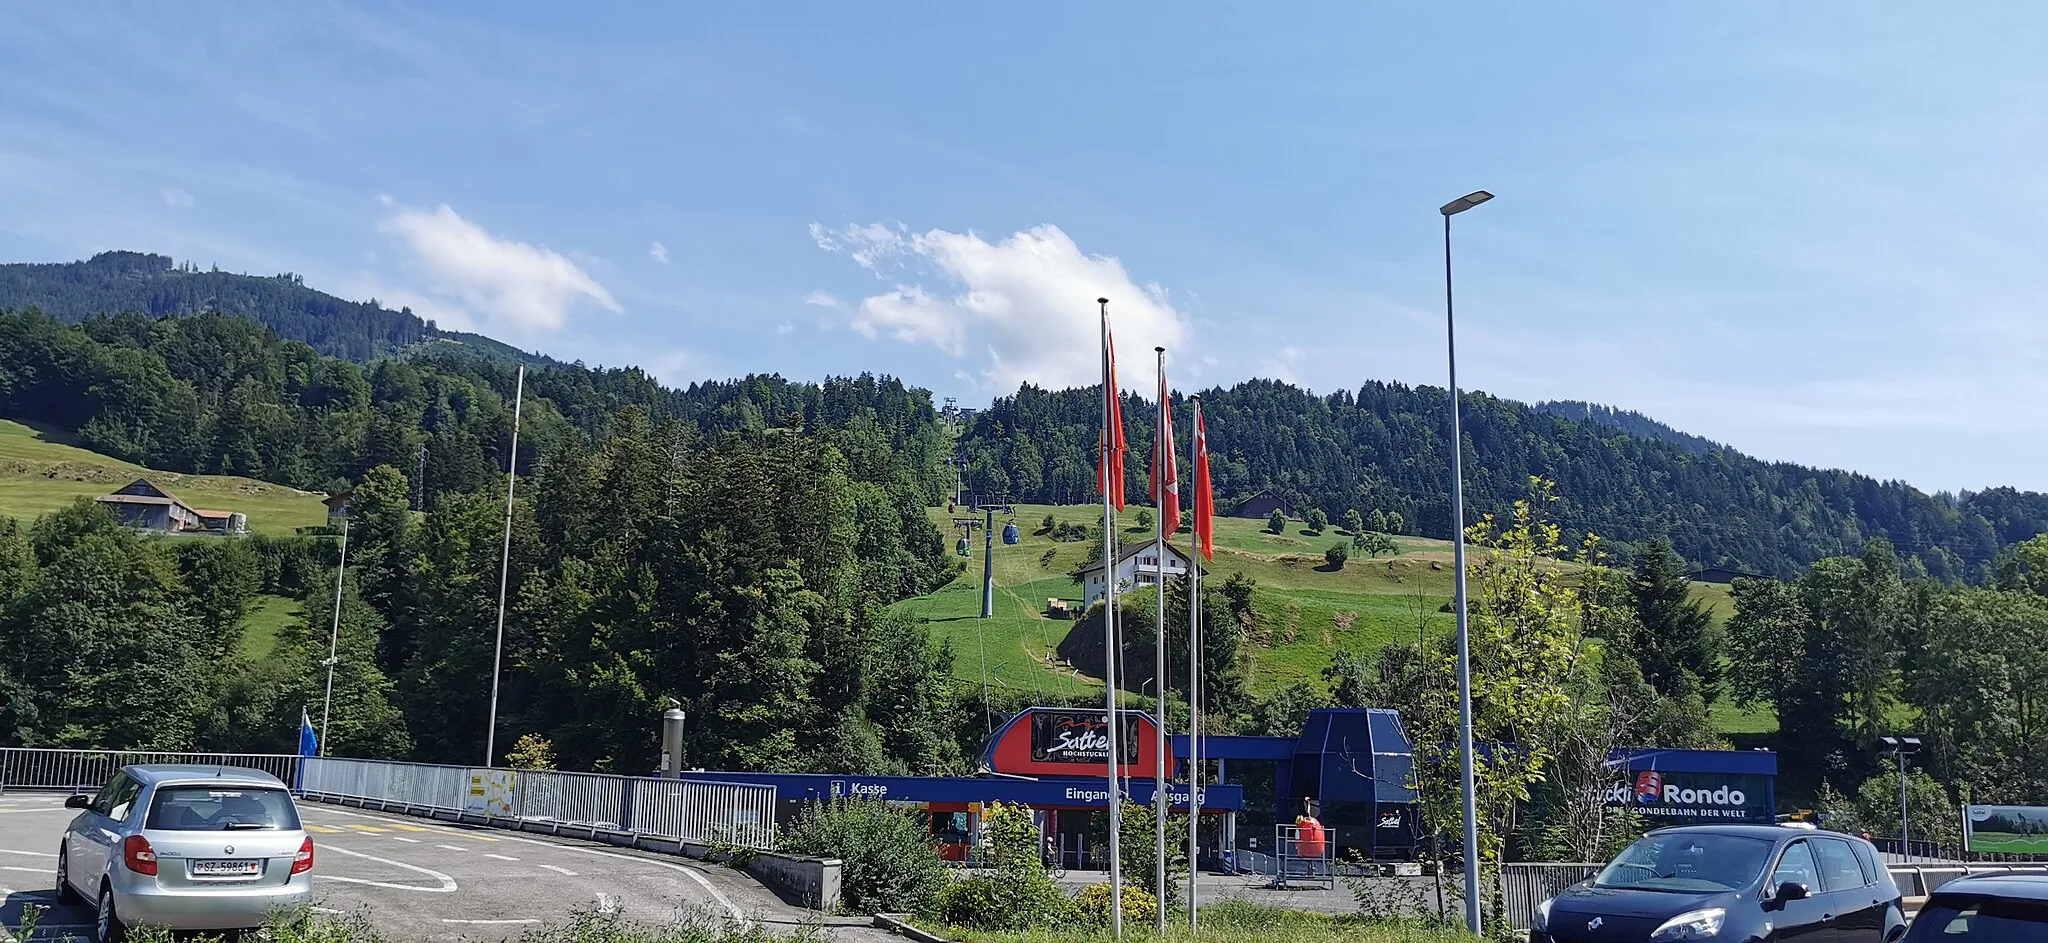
x: 88, y: 770
x: 737, y: 814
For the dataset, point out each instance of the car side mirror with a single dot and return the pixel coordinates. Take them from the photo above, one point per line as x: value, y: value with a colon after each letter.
x: 1791, y: 890
x: 77, y: 802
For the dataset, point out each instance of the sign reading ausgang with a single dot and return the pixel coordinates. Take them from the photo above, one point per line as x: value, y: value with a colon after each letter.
x: 1079, y: 737
x: 1692, y: 796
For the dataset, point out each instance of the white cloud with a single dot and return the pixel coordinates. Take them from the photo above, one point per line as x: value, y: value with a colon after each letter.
x: 784, y: 328
x: 658, y: 253
x: 1285, y: 365
x: 500, y: 283
x: 1027, y: 302
x: 823, y: 299
x: 175, y: 198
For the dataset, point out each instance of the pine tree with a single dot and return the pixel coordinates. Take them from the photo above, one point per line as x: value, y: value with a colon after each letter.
x: 1678, y: 637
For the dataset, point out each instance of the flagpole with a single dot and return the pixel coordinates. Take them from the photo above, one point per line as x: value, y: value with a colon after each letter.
x: 333, y: 638
x: 505, y: 567
x: 1109, y: 649
x: 1160, y: 804
x: 1194, y: 683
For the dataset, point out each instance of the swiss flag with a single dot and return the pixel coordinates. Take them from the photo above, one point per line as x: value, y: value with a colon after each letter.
x: 1205, y: 499
x: 1165, y: 477
x: 1109, y: 472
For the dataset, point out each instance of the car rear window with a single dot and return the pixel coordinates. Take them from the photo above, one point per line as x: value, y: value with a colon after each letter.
x: 221, y: 809
x: 1988, y: 919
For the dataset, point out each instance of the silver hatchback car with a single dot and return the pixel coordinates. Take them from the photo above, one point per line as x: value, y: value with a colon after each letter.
x: 186, y: 848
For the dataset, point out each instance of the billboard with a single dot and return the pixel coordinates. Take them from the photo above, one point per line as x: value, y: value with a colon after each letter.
x: 2006, y: 829
x: 1692, y: 797
x: 1080, y: 737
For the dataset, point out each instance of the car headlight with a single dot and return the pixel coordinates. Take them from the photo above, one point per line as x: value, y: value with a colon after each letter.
x: 1543, y: 914
x: 1693, y: 925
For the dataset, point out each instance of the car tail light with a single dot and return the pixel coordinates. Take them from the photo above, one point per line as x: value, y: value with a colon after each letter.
x: 303, y: 861
x: 140, y: 858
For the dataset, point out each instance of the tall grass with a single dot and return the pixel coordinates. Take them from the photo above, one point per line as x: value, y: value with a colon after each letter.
x: 1241, y: 921
x: 580, y: 928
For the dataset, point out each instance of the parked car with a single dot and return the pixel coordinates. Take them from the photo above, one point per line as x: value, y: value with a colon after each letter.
x: 1731, y: 882
x: 186, y: 848
x: 1997, y: 908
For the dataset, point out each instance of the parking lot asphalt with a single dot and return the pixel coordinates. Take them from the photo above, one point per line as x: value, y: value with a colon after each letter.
x: 419, y: 879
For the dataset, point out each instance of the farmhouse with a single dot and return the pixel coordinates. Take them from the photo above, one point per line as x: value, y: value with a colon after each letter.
x: 337, y: 506
x: 1136, y: 566
x: 1259, y: 506
x: 143, y: 505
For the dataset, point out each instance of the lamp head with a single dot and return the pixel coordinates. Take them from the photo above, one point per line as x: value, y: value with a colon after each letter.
x: 1465, y: 202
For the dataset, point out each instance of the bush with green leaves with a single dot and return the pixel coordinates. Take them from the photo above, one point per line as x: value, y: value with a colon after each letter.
x: 1018, y: 893
x: 1336, y: 556
x: 889, y: 863
x: 1091, y: 906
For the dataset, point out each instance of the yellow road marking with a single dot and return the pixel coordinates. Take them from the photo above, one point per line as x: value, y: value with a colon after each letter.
x: 322, y: 829
x: 411, y: 828
x: 368, y: 828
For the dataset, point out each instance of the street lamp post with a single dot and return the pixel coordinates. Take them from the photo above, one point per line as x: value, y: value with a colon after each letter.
x: 1468, y: 784
x: 1902, y: 747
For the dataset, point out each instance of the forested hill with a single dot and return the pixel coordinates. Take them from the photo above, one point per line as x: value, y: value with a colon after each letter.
x: 212, y: 394
x: 1382, y: 448
x: 1631, y: 422
x: 155, y: 285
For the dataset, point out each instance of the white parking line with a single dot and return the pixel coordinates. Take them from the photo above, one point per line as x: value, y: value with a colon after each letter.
x: 486, y: 854
x: 447, y: 883
x: 415, y: 841
x: 43, y: 870
x: 562, y: 871
x: 32, y: 854
x: 691, y: 873
x: 460, y: 848
x: 487, y: 922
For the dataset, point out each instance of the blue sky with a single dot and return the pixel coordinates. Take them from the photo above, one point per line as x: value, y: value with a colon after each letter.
x: 1813, y: 231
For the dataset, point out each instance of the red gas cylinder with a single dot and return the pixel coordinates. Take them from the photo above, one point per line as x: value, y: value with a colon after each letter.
x: 1310, y: 844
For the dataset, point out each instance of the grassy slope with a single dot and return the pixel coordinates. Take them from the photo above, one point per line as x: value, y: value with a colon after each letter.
x: 267, y: 615
x: 1303, y: 603
x: 1306, y: 611
x: 40, y: 472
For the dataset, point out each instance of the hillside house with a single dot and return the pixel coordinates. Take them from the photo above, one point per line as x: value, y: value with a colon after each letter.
x: 1136, y: 567
x: 141, y: 504
x: 1260, y: 506
x: 1721, y: 574
x: 337, y: 506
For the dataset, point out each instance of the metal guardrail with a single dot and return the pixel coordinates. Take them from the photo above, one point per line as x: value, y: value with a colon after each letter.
x: 737, y: 814
x: 87, y: 770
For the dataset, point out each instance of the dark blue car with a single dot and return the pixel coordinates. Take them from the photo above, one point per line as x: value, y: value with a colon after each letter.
x: 2009, y: 908
x: 1740, y: 883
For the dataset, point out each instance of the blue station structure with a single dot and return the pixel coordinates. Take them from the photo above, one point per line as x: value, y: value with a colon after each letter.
x: 1352, y: 769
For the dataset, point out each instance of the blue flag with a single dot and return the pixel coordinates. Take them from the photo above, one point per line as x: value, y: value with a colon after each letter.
x: 309, y: 741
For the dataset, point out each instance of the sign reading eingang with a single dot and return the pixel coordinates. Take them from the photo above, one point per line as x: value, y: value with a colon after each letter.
x: 2007, y: 829
x: 1080, y: 736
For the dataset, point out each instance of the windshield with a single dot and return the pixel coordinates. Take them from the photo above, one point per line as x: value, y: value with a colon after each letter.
x: 216, y: 809
x: 1687, y: 862
x: 2006, y: 921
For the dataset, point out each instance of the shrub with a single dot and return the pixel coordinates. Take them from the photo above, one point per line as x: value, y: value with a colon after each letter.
x: 531, y: 751
x: 1020, y: 894
x: 1277, y: 523
x: 1336, y: 556
x: 889, y: 861
x: 1091, y: 906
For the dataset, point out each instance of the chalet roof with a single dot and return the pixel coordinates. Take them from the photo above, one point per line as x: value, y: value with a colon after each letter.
x: 156, y: 495
x: 1130, y: 551
x: 335, y: 501
x: 212, y: 515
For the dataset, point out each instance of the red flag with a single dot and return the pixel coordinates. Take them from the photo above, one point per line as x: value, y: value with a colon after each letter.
x: 1205, y: 500
x: 1109, y: 475
x: 1165, y: 476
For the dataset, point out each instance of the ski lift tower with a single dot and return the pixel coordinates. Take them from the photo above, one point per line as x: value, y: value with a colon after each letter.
x: 987, y: 524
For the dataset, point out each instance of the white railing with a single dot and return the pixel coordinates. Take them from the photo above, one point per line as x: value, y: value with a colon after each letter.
x: 88, y: 770
x: 737, y: 814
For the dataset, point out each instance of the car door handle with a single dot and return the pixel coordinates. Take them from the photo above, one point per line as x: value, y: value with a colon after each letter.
x: 1827, y: 918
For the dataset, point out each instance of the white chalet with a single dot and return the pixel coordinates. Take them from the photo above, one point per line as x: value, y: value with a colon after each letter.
x: 1137, y: 565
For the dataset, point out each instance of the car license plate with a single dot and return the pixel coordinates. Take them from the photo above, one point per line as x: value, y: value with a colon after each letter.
x: 227, y: 868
